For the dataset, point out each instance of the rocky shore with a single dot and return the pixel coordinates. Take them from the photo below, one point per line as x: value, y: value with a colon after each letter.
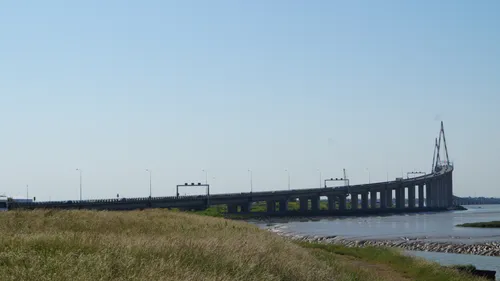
x: 483, y: 249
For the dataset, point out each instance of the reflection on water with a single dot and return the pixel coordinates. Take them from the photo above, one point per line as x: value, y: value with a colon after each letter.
x: 431, y: 226
x: 481, y: 262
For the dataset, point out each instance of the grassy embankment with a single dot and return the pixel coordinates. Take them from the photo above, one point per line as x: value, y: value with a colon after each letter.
x: 491, y: 224
x: 166, y: 245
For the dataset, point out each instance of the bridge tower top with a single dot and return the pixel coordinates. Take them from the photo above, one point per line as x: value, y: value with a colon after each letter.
x: 437, y: 163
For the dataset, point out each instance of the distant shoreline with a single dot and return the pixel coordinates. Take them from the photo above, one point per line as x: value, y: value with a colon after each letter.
x: 491, y: 224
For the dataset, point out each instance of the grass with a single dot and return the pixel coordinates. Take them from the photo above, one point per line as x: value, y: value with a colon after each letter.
x: 165, y: 245
x: 491, y: 224
x: 409, y: 267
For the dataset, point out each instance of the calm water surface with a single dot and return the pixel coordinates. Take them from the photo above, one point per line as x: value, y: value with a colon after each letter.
x: 429, y: 226
x: 439, y: 227
x: 481, y: 262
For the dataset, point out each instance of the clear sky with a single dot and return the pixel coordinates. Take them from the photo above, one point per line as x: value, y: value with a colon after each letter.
x: 117, y: 87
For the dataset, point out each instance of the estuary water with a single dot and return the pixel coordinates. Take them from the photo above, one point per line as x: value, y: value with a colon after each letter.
x: 431, y: 226
x: 481, y: 262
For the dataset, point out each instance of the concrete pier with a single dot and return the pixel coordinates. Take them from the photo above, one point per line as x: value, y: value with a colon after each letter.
x: 373, y: 199
x: 389, y: 198
x: 245, y: 208
x: 428, y: 195
x: 232, y: 208
x: 331, y: 203
x: 383, y: 199
x: 411, y: 196
x: 354, y: 201
x: 271, y: 206
x: 283, y: 205
x: 304, y: 204
x: 364, y: 200
x: 399, y: 198
x: 315, y: 203
x: 434, y: 194
x: 342, y: 202
x: 450, y: 190
x: 421, y: 196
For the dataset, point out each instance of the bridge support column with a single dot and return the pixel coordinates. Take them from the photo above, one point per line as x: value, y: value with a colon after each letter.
x: 441, y: 193
x: 232, y: 208
x: 304, y: 204
x: 428, y: 194
x: 373, y: 199
x: 403, y: 197
x: 354, y: 201
x: 399, y: 198
x: 271, y: 206
x: 450, y: 189
x: 364, y: 200
x: 331, y: 203
x: 389, y: 198
x: 445, y: 193
x: 383, y: 199
x: 315, y: 203
x: 283, y: 205
x: 411, y: 196
x: 342, y: 202
x: 434, y: 192
x: 421, y: 196
x: 245, y: 208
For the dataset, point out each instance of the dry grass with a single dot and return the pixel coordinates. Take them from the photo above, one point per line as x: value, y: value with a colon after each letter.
x: 155, y: 245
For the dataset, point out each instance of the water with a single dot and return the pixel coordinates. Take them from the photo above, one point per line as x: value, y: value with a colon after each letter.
x: 438, y: 227
x: 481, y: 262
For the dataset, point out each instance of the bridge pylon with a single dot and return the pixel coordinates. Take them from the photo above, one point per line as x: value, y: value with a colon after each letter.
x: 437, y: 163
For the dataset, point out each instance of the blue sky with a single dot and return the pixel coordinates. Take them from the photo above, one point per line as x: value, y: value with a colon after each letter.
x: 117, y: 87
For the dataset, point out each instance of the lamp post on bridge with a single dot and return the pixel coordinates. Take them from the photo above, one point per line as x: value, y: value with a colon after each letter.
x: 319, y: 171
x: 80, y: 170
x: 288, y: 172
x: 369, y: 179
x: 251, y: 180
x: 149, y: 171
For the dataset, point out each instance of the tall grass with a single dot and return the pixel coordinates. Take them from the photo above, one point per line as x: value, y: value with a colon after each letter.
x: 155, y: 245
x: 147, y: 245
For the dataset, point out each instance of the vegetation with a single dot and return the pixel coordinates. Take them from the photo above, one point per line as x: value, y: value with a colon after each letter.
x: 409, y: 268
x: 165, y: 245
x: 491, y: 224
x: 467, y: 267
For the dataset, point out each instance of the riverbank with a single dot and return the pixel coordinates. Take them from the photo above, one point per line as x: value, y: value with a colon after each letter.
x: 491, y: 224
x: 165, y: 245
x: 484, y: 249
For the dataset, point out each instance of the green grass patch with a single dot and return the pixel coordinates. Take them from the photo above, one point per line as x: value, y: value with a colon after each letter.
x: 410, y: 267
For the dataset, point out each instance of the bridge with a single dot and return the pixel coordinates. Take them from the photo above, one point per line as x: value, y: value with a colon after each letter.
x: 433, y: 191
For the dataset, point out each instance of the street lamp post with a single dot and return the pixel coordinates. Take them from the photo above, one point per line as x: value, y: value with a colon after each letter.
x: 369, y: 180
x: 80, y: 170
x: 251, y: 181
x: 319, y: 177
x: 149, y: 171
x: 286, y: 170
